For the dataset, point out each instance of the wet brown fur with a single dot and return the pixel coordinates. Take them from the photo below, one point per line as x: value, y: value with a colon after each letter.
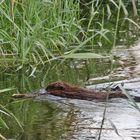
x: 63, y: 89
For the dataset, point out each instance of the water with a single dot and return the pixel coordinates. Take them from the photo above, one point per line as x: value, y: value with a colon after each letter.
x: 56, y: 118
x: 59, y: 118
x: 41, y: 120
x: 120, y: 122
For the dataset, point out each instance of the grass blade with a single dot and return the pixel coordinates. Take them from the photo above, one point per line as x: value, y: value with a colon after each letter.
x: 5, y: 90
x: 82, y: 56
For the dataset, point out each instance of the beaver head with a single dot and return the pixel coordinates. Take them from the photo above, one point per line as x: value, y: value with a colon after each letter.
x: 58, y: 86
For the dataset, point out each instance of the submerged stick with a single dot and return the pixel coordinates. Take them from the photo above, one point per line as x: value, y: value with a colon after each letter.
x: 24, y: 95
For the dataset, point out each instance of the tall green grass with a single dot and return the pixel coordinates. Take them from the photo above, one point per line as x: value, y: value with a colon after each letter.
x: 36, y: 29
x: 36, y: 32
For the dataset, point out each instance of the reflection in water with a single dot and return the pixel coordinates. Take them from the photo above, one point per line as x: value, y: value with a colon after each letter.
x: 126, y: 65
x: 42, y: 120
x: 122, y: 121
x: 130, y: 59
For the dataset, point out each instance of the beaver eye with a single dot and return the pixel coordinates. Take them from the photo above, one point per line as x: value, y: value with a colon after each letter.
x: 60, y: 88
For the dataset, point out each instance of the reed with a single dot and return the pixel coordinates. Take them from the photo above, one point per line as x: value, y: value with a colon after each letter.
x: 36, y: 32
x: 4, y: 112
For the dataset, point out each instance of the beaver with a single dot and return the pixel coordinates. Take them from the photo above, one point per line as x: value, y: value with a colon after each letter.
x: 66, y: 90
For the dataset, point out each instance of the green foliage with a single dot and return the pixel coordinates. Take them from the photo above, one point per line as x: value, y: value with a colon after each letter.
x: 82, y: 55
x: 5, y: 112
x: 4, y: 90
x: 9, y: 114
x: 35, y: 32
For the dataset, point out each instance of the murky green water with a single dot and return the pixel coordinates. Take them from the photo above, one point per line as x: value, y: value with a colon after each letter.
x: 40, y: 120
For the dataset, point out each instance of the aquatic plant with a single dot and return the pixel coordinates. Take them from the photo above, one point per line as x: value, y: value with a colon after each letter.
x: 4, y: 111
x: 37, y: 32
